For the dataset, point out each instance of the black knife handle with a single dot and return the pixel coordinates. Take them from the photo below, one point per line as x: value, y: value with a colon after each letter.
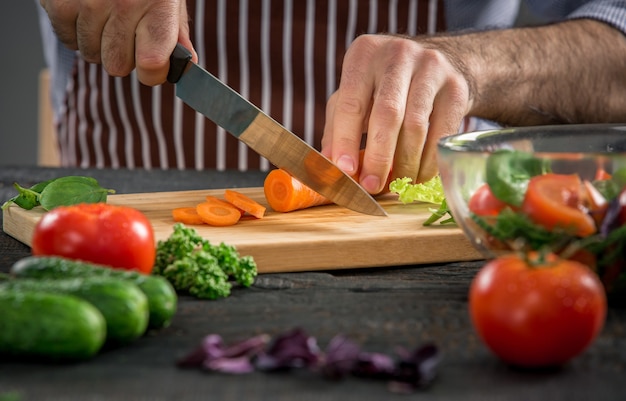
x: 178, y: 62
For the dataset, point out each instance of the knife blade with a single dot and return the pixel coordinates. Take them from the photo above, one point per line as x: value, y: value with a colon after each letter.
x: 221, y: 104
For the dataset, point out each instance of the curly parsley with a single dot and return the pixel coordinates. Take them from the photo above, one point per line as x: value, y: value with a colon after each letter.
x: 193, y: 265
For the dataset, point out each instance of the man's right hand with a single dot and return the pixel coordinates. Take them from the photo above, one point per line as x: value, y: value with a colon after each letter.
x: 123, y: 35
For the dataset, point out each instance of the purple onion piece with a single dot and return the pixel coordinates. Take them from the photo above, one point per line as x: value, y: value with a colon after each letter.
x: 194, y: 359
x: 213, y: 346
x: 294, y: 349
x: 213, y: 349
x: 342, y: 355
x: 239, y: 365
x: 249, y: 347
x: 610, y: 220
x: 374, y: 365
x: 419, y: 369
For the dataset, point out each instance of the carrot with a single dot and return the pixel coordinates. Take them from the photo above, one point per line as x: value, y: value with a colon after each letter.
x: 211, y: 198
x: 218, y: 213
x: 187, y: 215
x: 245, y: 203
x: 284, y: 193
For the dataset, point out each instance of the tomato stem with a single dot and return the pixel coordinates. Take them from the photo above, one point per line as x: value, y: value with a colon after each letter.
x: 542, y: 258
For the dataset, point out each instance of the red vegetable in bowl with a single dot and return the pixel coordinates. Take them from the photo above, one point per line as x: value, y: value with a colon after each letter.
x: 558, y: 201
x: 548, y: 207
x: 484, y: 203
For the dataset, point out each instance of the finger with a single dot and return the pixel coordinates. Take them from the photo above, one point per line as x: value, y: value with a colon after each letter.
x: 382, y: 135
x: 327, y: 137
x: 427, y: 82
x: 184, y: 36
x: 411, y: 141
x: 118, y: 38
x: 352, y: 103
x: 89, y: 26
x: 62, y: 15
x: 157, y: 34
x: 388, y: 113
x: 450, y: 107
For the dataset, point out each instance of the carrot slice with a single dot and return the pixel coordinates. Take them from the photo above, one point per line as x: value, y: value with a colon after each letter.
x: 211, y: 198
x: 187, y: 215
x: 218, y: 214
x: 245, y: 203
x: 284, y: 193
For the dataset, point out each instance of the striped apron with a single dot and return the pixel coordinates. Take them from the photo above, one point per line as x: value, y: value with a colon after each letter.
x: 284, y: 56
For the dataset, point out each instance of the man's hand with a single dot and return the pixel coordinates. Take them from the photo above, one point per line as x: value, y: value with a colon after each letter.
x: 408, y: 93
x: 405, y: 96
x: 123, y: 35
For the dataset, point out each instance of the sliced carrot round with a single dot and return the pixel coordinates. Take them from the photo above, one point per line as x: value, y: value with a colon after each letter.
x: 218, y: 214
x: 187, y: 215
x: 245, y: 203
x: 211, y: 198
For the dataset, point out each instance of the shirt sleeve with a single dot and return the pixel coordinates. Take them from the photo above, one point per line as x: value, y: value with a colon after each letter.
x: 611, y: 12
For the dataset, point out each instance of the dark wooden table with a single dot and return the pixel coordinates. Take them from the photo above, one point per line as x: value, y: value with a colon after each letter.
x: 380, y: 308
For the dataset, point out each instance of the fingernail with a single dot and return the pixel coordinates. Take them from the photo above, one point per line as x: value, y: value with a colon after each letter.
x: 346, y: 164
x: 371, y: 183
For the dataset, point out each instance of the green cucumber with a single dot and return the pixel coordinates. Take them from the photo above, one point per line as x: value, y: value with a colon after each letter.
x: 123, y: 305
x: 48, y: 325
x: 162, y: 298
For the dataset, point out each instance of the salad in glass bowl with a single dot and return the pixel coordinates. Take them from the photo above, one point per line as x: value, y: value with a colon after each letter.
x: 559, y: 189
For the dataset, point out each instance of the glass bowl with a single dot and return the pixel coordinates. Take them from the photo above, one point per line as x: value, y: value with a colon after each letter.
x: 580, y: 167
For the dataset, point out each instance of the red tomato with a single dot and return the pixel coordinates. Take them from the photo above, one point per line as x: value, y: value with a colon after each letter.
x: 537, y: 314
x: 484, y: 203
x: 117, y: 236
x: 557, y: 201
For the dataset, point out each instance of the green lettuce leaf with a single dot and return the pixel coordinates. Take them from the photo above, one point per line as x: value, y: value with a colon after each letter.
x: 427, y: 192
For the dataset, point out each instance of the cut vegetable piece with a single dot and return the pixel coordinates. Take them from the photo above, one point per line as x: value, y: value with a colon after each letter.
x: 484, y: 203
x: 211, y: 198
x: 557, y: 201
x: 218, y: 214
x: 187, y: 215
x: 245, y: 203
x: 284, y: 193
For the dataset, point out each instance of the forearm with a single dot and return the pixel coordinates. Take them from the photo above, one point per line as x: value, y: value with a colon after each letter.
x: 571, y: 72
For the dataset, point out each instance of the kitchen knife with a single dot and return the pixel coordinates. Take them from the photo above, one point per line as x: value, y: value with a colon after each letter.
x: 219, y: 103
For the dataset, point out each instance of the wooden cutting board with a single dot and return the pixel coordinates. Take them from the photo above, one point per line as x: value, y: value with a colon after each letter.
x: 319, y: 238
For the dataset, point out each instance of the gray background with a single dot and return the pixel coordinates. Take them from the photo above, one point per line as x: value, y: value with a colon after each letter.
x: 21, y: 61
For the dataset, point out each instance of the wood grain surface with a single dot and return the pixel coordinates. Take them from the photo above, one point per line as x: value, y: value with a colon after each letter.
x: 320, y: 238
